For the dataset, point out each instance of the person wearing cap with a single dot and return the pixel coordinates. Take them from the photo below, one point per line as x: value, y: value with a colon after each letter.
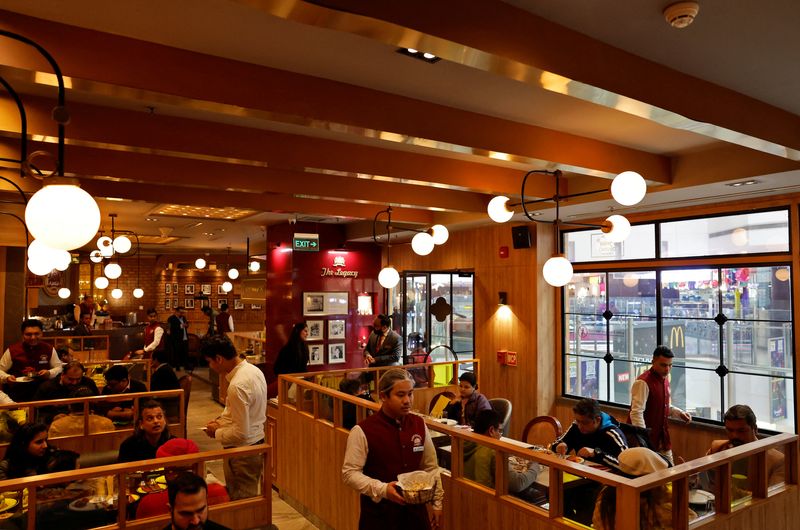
x: 385, y: 445
x: 156, y: 504
x: 655, y: 505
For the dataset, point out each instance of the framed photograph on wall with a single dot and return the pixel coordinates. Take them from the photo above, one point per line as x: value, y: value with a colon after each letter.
x: 188, y: 288
x: 174, y: 303
x: 188, y: 303
x: 205, y: 302
x: 238, y: 304
x: 167, y: 288
x: 325, y: 303
x: 315, y: 354
x: 336, y: 353
x: 336, y: 329
x: 255, y: 306
x: 205, y: 289
x: 220, y: 290
x: 167, y: 303
x: 315, y: 329
x: 221, y: 301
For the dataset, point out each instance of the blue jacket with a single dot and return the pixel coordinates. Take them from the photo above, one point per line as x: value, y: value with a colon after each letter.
x: 608, y: 441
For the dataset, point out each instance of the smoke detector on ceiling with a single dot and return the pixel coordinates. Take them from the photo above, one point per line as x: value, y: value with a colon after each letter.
x: 681, y: 14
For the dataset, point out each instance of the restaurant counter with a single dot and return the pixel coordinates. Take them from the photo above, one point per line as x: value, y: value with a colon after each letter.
x: 121, y: 340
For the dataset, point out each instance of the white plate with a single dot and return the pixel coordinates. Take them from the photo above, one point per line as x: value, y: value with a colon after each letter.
x: 95, y: 503
x: 447, y: 421
x: 24, y: 379
x: 700, y: 497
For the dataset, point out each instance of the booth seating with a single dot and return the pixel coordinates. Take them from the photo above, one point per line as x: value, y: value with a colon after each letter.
x: 87, y: 498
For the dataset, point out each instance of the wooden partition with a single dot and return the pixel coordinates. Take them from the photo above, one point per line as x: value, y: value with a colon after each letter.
x: 84, y: 348
x: 87, y: 442
x: 255, y: 512
x: 138, y: 369
x: 310, y: 474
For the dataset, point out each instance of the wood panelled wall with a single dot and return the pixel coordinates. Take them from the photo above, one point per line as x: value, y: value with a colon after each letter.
x: 524, y: 326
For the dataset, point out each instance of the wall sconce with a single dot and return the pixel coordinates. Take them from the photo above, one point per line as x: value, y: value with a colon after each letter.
x: 502, y: 298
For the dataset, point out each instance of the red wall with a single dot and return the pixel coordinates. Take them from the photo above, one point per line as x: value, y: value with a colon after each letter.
x: 290, y: 274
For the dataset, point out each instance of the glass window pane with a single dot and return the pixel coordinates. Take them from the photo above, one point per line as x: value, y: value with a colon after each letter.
x: 632, y: 293
x: 690, y: 293
x: 463, y: 315
x: 591, y: 245
x: 633, y: 338
x: 440, y: 293
x: 587, y: 335
x: 757, y: 293
x: 729, y: 234
x: 586, y: 377
x: 586, y: 294
x: 704, y: 399
x: 694, y: 342
x: 771, y: 398
x: 416, y: 313
x: 623, y: 374
x: 760, y: 347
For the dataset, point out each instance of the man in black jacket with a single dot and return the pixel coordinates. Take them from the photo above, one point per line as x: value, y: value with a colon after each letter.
x: 384, y: 345
x: 594, y: 435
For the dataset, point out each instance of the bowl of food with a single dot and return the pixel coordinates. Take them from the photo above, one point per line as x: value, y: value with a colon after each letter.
x: 575, y: 458
x: 417, y: 487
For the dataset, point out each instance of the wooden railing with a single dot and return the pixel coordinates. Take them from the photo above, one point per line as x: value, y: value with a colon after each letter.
x: 244, y: 513
x: 172, y: 400
x: 138, y: 369
x: 83, y: 347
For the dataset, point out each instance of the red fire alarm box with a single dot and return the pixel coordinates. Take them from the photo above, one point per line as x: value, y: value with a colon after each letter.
x: 503, y: 252
x: 501, y: 356
x: 511, y: 358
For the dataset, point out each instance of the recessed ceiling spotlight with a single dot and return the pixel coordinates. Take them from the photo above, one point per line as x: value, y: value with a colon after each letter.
x: 416, y: 54
x: 743, y: 183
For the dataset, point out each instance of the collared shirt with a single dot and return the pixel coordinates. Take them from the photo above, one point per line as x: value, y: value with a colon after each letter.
x: 157, y: 335
x: 6, y: 363
x: 639, y: 394
x: 242, y: 421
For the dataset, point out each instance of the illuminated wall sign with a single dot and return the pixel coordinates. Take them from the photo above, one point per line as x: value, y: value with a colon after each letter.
x: 306, y: 242
x: 338, y: 269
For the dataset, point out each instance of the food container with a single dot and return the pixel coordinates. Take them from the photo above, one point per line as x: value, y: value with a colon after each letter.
x: 417, y: 486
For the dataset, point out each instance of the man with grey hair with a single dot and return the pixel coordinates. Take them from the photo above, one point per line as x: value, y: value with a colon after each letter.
x: 383, y: 446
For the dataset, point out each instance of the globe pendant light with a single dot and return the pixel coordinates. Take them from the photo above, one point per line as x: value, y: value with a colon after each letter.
x: 116, y: 293
x: 233, y: 273
x: 113, y: 271
x: 95, y: 256
x: 64, y: 293
x: 122, y: 244
x: 255, y: 266
x: 138, y: 292
x: 106, y: 246
x: 39, y: 267
x: 440, y: 234
x: 227, y: 287
x: 101, y: 282
x: 422, y: 243
x: 62, y: 216
x: 498, y: 211
x: 388, y: 277
x: 628, y: 188
x: 200, y: 263
x: 557, y: 271
x: 619, y: 230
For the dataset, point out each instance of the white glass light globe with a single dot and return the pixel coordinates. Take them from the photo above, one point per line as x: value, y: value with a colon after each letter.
x: 620, y: 228
x: 440, y: 234
x: 62, y: 260
x: 227, y: 287
x: 498, y: 211
x: 95, y: 256
x: 557, y: 271
x: 628, y: 188
x: 200, y: 263
x: 255, y: 266
x: 122, y: 244
x: 39, y: 266
x: 62, y: 216
x: 113, y: 271
x: 422, y: 244
x: 64, y: 293
x: 138, y: 292
x: 116, y: 293
x: 739, y: 237
x: 233, y: 274
x: 38, y: 250
x: 101, y: 282
x: 104, y: 242
x: 388, y: 277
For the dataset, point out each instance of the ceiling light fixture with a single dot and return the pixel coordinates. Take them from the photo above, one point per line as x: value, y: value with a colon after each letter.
x: 416, y: 54
x: 227, y: 287
x: 627, y: 188
x: 388, y: 277
x: 743, y: 183
x: 200, y: 263
x: 64, y: 293
x: 101, y: 282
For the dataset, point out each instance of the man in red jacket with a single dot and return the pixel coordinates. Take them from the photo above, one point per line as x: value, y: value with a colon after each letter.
x: 383, y: 446
x: 27, y: 364
x: 650, y: 403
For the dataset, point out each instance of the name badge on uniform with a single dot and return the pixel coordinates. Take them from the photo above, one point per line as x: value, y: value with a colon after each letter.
x: 417, y: 441
x: 419, y: 449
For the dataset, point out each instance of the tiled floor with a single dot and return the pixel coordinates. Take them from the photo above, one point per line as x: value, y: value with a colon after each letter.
x: 203, y: 409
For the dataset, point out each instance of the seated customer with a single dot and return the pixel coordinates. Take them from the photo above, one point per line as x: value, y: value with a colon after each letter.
x: 740, y: 424
x: 479, y: 460
x: 150, y: 434
x: 655, y: 505
x: 188, y: 504
x: 354, y: 388
x: 61, y: 387
x: 464, y: 407
x: 29, y: 454
x: 594, y: 435
x: 156, y: 504
x: 163, y: 377
x: 118, y: 382
x: 72, y: 423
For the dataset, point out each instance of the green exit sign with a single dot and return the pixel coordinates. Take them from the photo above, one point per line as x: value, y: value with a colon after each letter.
x: 306, y: 242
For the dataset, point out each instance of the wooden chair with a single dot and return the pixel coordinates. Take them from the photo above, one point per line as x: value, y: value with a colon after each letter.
x: 441, y: 395
x: 503, y: 407
x: 185, y: 383
x: 544, y: 429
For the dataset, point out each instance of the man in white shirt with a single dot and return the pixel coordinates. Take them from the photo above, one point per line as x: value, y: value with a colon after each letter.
x: 27, y: 364
x: 242, y: 422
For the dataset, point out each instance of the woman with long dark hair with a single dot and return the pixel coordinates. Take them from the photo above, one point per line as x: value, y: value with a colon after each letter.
x: 293, y: 357
x: 29, y: 454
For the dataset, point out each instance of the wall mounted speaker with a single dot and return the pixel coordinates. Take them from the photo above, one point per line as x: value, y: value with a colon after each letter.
x: 521, y: 236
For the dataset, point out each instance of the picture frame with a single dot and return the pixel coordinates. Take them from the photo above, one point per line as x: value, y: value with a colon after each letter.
x: 205, y: 302
x: 175, y: 289
x: 316, y: 355
x: 167, y: 288
x: 238, y: 304
x: 221, y: 301
x: 167, y: 303
x: 220, y: 290
x: 336, y: 353
x: 336, y: 329
x: 205, y: 289
x: 188, y: 303
x: 325, y: 303
x: 188, y: 289
x: 315, y: 329
x: 174, y: 303
x: 255, y: 306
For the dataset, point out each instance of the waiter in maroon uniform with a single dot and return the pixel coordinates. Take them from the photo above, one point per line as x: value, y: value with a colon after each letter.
x: 650, y: 404
x: 382, y: 447
x: 224, y: 320
x: 27, y: 364
x: 153, y: 335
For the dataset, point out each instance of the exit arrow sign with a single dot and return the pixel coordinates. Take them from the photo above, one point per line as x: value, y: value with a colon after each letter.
x: 306, y: 242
